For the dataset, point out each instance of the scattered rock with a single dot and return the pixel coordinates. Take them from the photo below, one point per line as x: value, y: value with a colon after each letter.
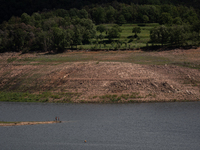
x: 155, y: 85
x: 188, y: 76
x: 188, y: 92
x: 67, y: 75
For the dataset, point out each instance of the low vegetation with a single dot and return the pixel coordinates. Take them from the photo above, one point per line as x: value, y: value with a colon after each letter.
x: 66, y: 97
x: 41, y: 97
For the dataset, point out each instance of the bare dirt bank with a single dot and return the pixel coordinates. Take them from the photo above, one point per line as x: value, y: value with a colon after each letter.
x: 121, y: 79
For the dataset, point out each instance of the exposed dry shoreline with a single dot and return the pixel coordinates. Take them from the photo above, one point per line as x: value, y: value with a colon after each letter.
x: 28, y: 123
x: 128, y: 76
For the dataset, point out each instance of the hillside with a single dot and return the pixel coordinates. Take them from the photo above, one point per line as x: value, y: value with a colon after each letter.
x: 115, y: 76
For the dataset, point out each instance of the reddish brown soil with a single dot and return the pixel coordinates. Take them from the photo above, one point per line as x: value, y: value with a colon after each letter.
x: 92, y: 79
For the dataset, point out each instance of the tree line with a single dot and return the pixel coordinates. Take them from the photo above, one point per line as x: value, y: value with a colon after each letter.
x: 60, y: 29
x: 32, y: 33
x: 176, y: 35
x: 8, y: 8
x: 122, y: 13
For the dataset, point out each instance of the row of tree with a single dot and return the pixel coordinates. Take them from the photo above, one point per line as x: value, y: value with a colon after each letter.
x: 163, y: 14
x: 176, y: 35
x: 10, y: 8
x: 121, y: 13
x: 60, y: 29
x: 54, y: 34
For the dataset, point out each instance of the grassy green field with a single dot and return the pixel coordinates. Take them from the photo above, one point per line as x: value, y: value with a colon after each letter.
x: 126, y: 37
x: 41, y: 97
x: 6, y: 122
x: 136, y: 57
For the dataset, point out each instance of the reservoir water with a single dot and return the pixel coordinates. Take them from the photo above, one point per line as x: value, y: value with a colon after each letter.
x: 145, y: 126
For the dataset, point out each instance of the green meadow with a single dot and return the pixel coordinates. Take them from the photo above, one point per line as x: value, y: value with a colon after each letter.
x: 126, y: 39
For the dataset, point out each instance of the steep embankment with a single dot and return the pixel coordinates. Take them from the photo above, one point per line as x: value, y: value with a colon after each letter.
x: 102, y: 81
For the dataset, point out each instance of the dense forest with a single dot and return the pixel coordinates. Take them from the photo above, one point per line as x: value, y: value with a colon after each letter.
x: 9, y: 8
x: 55, y: 29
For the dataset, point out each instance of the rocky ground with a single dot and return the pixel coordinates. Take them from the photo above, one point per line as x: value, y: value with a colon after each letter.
x: 100, y: 80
